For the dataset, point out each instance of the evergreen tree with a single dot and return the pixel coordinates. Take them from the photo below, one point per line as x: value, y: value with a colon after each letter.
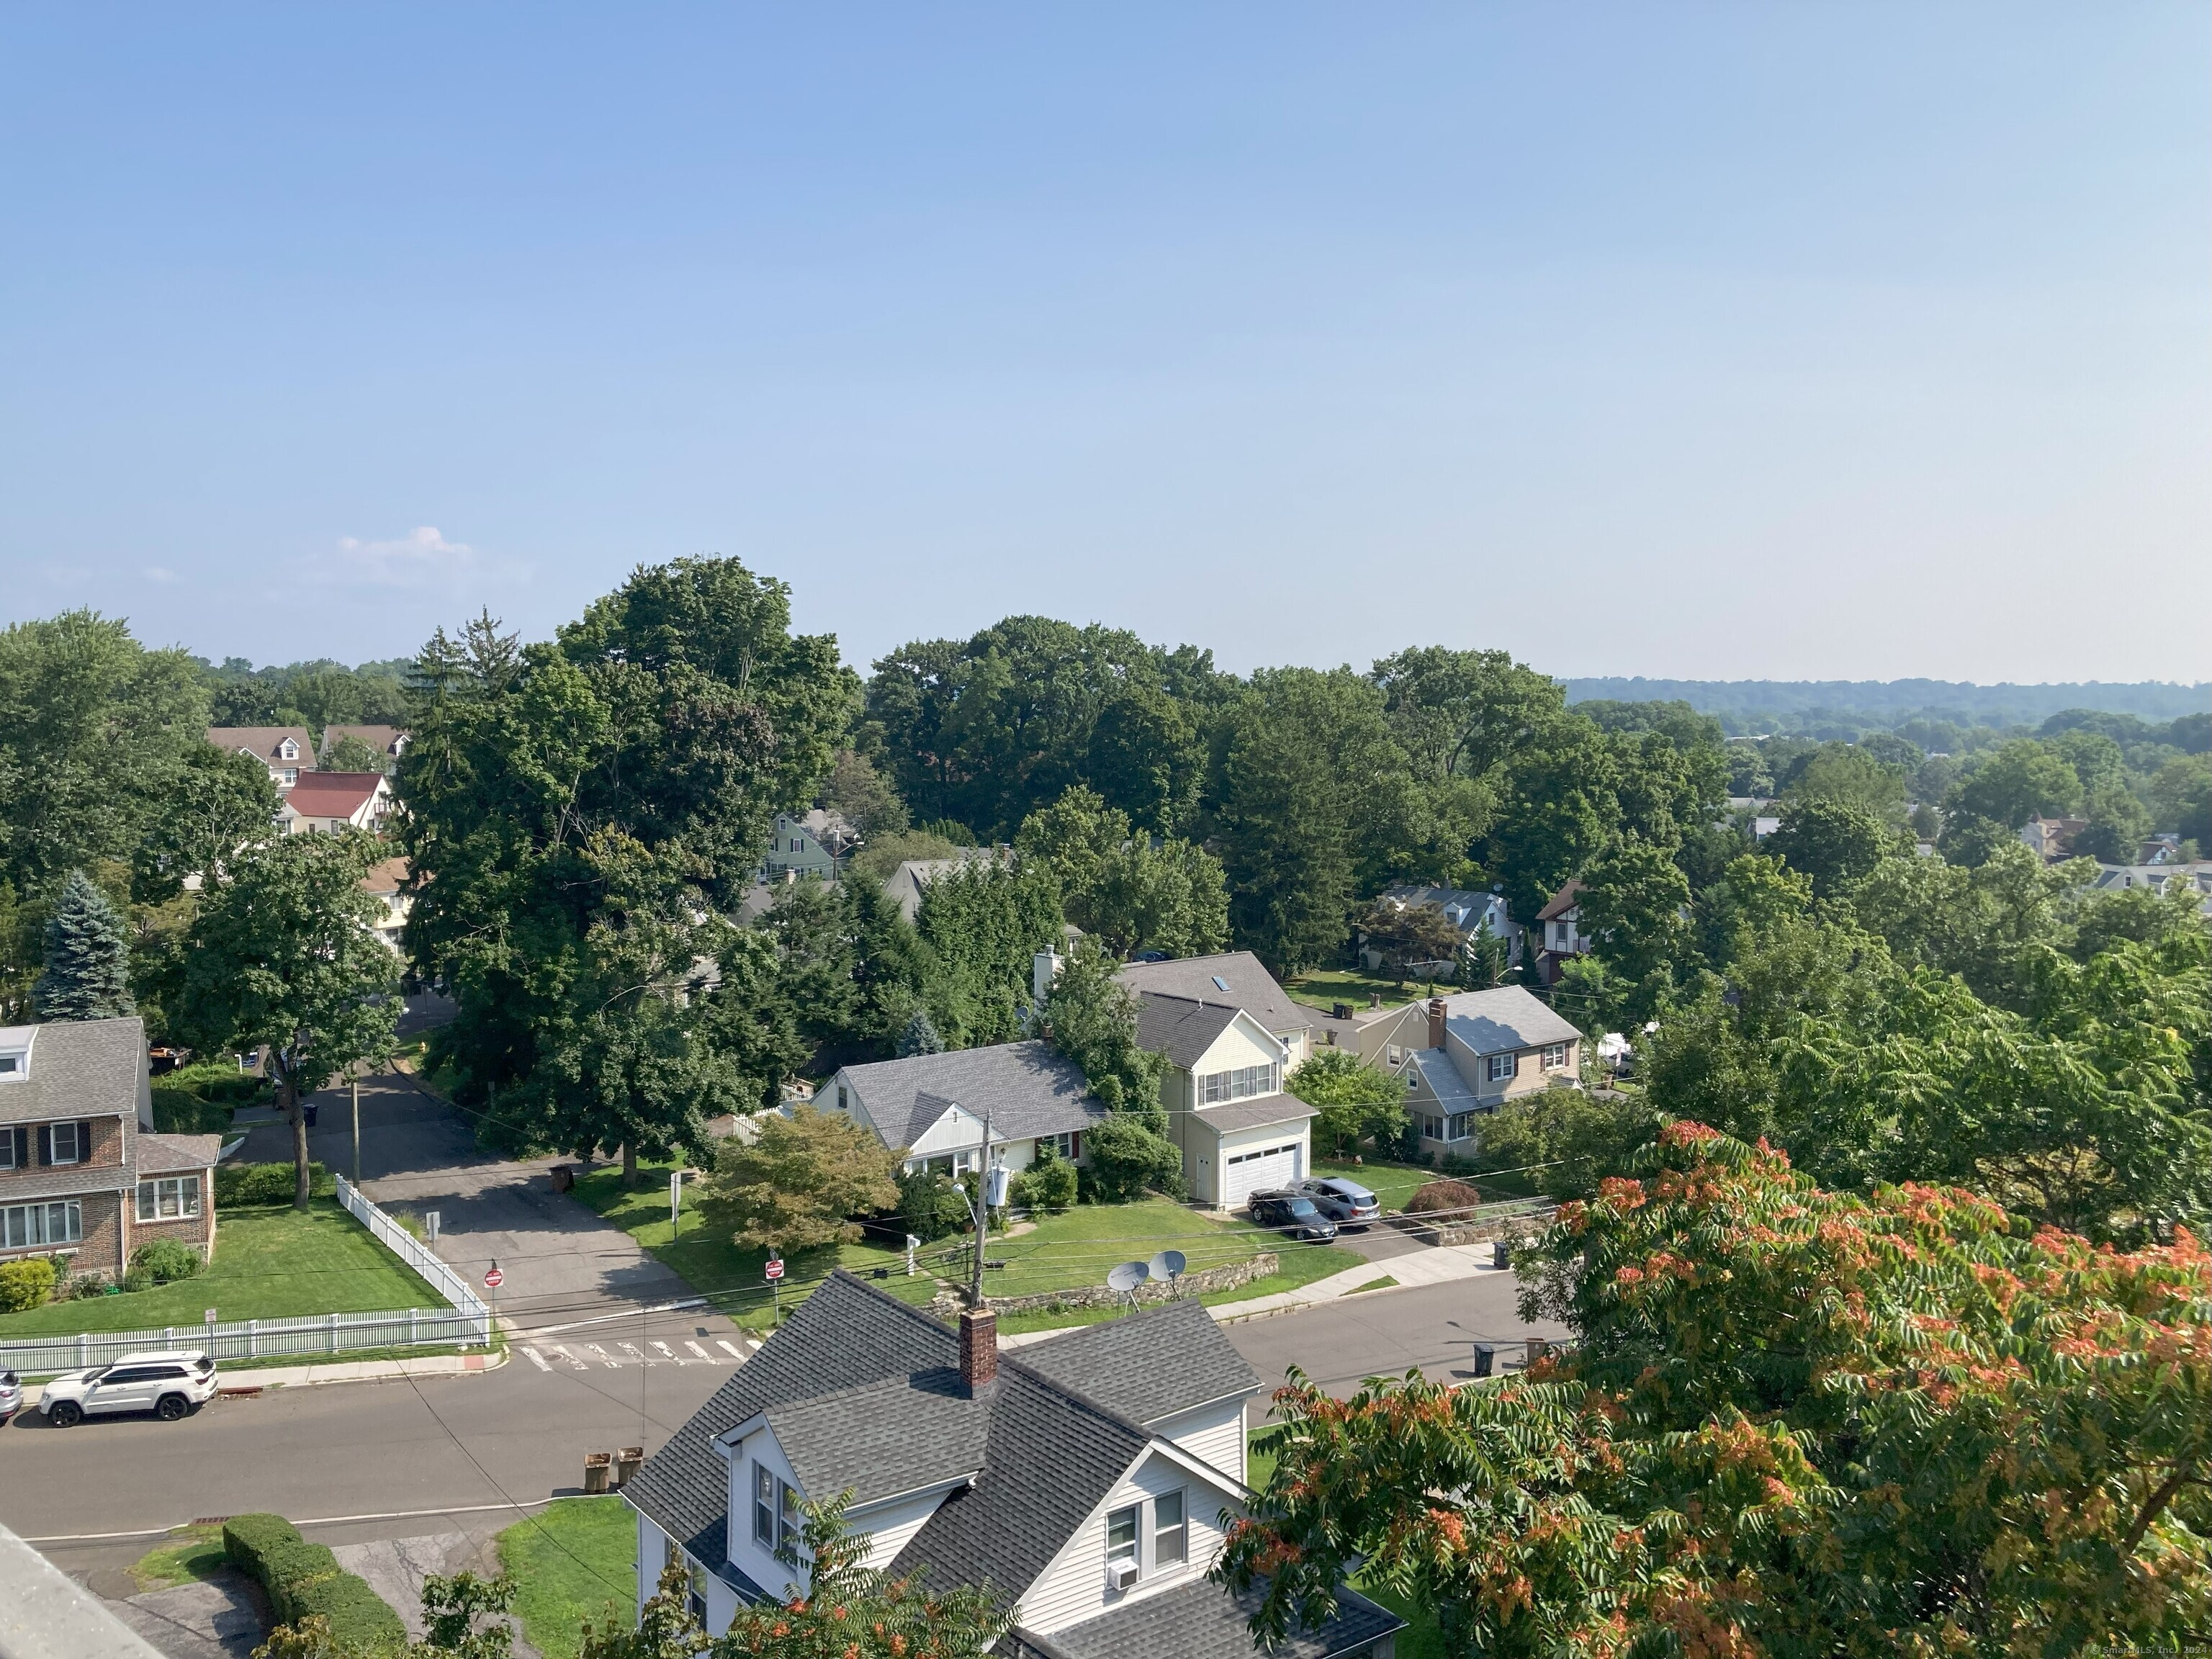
x: 87, y: 959
x: 919, y: 1037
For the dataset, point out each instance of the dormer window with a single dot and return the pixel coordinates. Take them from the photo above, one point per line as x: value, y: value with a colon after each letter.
x: 15, y: 1064
x: 287, y: 750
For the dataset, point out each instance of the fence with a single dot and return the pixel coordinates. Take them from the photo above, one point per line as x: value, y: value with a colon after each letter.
x: 467, y: 1321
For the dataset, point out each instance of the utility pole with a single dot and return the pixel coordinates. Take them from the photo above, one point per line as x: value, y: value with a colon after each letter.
x: 356, y: 1131
x: 982, y: 1216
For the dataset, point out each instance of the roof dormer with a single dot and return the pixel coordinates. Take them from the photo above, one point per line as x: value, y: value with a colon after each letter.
x: 15, y: 1042
x: 287, y: 750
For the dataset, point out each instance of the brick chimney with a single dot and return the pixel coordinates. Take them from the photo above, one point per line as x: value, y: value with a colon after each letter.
x: 979, y: 1350
x: 1435, y: 1022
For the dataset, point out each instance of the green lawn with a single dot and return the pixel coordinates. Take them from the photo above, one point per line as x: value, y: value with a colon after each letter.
x: 568, y: 1563
x: 1077, y: 1248
x: 1392, y: 1183
x: 268, y: 1264
x: 186, y: 1554
x: 1324, y: 988
x: 1420, y: 1639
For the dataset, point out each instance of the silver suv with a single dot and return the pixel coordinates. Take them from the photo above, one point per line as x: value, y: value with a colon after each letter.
x: 170, y: 1385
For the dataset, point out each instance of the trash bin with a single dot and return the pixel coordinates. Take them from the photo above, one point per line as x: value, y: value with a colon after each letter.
x: 595, y: 1471
x: 1501, y: 1254
x: 1538, y: 1349
x: 626, y: 1463
x: 563, y: 1176
x: 1485, y: 1358
x: 309, y: 1111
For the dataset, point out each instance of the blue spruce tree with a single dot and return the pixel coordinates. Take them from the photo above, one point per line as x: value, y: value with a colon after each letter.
x: 88, y: 964
x: 919, y: 1037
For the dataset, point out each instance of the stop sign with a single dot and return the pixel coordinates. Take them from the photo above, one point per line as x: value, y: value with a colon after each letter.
x: 775, y: 1267
x: 493, y: 1277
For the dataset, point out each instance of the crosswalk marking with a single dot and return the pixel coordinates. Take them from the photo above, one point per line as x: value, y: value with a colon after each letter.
x: 603, y: 1354
x: 632, y: 1354
x: 700, y: 1352
x: 631, y: 1349
x: 538, y: 1359
x: 568, y: 1357
x: 731, y: 1349
x: 666, y: 1352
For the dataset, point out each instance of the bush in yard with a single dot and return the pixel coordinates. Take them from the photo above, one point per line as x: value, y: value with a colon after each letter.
x: 243, y: 1185
x: 26, y: 1283
x: 931, y: 1206
x: 1432, y: 1196
x: 164, y: 1262
x: 82, y: 1287
x: 1353, y: 1102
x: 1127, y: 1157
x: 1047, y: 1186
x: 305, y: 1582
x: 181, y: 1112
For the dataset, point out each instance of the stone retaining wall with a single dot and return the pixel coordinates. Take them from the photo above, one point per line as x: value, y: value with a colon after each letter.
x: 947, y: 1304
x: 1422, y: 1229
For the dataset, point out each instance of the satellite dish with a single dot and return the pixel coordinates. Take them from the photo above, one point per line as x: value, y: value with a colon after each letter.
x: 1168, y: 1264
x: 1127, y: 1276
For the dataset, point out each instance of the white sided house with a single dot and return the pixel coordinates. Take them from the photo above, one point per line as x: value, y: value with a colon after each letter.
x: 935, y: 1106
x: 1086, y: 1480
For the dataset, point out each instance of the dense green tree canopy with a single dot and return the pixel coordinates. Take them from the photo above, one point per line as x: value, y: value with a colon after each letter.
x: 86, y: 973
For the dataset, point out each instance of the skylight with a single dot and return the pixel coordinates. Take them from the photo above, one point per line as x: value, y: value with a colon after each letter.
x: 1219, y: 983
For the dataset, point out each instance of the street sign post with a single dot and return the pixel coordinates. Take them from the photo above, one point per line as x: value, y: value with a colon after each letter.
x: 775, y: 1271
x: 675, y: 1204
x: 493, y: 1277
x: 210, y: 1318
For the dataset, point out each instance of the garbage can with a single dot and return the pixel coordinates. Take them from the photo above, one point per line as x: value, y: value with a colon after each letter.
x: 1501, y: 1254
x: 1485, y: 1358
x: 308, y: 1109
x: 1538, y: 1349
x: 564, y: 1177
x: 595, y: 1471
x: 626, y: 1463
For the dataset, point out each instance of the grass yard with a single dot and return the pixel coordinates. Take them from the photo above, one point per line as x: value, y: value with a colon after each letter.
x: 1324, y: 988
x: 1077, y: 1248
x: 1391, y: 1183
x: 187, y: 1553
x: 268, y: 1264
x: 568, y: 1563
x: 1420, y: 1639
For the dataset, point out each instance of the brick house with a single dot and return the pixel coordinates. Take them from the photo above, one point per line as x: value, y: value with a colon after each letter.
x: 83, y: 1178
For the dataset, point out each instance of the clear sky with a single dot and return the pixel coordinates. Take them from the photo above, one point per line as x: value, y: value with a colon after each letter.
x: 1718, y: 341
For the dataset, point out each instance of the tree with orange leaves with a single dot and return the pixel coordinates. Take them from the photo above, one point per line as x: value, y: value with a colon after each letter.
x: 1796, y: 1423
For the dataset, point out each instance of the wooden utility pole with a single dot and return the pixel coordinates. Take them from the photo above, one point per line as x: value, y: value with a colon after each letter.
x: 356, y: 1132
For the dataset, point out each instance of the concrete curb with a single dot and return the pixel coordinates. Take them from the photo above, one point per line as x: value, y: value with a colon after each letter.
x: 248, y: 1383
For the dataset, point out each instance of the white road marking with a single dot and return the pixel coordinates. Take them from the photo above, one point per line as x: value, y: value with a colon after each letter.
x: 538, y: 1359
x: 612, y: 1361
x: 730, y: 1348
x: 631, y: 1349
x: 569, y: 1357
x: 667, y: 1352
x: 700, y: 1352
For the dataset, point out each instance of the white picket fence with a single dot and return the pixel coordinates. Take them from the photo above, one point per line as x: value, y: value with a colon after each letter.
x: 465, y: 1322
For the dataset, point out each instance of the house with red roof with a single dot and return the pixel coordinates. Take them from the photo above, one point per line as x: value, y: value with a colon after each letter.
x: 330, y: 801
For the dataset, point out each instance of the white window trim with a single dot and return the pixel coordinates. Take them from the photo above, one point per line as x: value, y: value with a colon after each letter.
x: 181, y: 1191
x: 37, y: 1218
x: 1133, y: 1550
x: 1510, y: 1063
x: 54, y: 1144
x: 1181, y: 1529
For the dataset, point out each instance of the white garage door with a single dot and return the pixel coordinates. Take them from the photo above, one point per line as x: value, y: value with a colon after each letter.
x: 1267, y: 1166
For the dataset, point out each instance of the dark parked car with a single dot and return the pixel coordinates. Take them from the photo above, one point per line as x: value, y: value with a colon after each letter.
x: 1342, y: 1200
x: 1289, y: 1212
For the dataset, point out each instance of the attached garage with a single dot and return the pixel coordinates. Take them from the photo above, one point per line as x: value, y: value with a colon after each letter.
x: 1249, y: 1172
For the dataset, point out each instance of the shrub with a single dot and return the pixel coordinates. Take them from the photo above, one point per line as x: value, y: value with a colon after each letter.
x: 82, y: 1288
x: 304, y: 1580
x: 1127, y: 1157
x: 218, y: 1081
x: 1048, y: 1185
x: 181, y: 1112
x: 1434, y: 1195
x: 26, y: 1284
x: 164, y: 1262
x: 243, y: 1185
x: 931, y: 1206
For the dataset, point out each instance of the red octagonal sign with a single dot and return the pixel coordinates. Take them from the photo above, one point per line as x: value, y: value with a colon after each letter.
x: 493, y: 1278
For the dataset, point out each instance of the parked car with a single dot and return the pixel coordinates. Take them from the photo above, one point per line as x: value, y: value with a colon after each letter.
x: 1292, y: 1213
x: 11, y: 1396
x: 170, y: 1385
x: 1342, y: 1200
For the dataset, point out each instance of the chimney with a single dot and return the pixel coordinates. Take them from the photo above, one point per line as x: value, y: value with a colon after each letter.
x: 979, y: 1350
x: 1044, y: 974
x: 1435, y: 1022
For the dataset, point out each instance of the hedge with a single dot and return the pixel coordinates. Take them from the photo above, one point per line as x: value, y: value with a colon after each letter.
x: 248, y: 1184
x: 304, y: 1579
x: 26, y: 1284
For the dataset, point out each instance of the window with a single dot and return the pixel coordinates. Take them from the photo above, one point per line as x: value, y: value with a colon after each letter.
x: 66, y: 1143
x: 22, y: 1226
x: 1121, y: 1534
x: 764, y: 1484
x: 1555, y: 1057
x: 1503, y: 1066
x: 1068, y: 1146
x: 11, y: 1065
x: 1242, y: 1084
x: 788, y: 1526
x: 1219, y: 983
x: 287, y: 750
x: 168, y: 1199
x: 1170, y: 1537
x: 1395, y: 1054
x: 1462, y: 1125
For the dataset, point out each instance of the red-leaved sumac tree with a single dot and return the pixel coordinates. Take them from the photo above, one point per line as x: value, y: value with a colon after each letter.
x: 1796, y: 1423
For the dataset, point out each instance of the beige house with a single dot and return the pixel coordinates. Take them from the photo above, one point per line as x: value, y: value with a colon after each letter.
x: 286, y: 750
x: 330, y: 801
x: 1236, y: 978
x: 386, y: 883
x: 1465, y: 1055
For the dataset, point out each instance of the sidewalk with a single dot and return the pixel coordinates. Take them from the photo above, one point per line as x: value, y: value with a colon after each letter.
x: 1438, y: 1266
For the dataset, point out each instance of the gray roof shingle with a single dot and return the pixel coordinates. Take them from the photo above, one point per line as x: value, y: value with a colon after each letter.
x: 1250, y: 986
x: 78, y: 1068
x: 1232, y: 1115
x: 1202, y: 1621
x: 1443, y: 1078
x: 1183, y: 1027
x: 1025, y: 1088
x: 1119, y: 1363
x: 883, y: 1439
x: 163, y: 1154
x: 1495, y: 1022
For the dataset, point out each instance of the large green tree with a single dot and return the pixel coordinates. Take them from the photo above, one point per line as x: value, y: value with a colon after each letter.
x: 1794, y: 1423
x: 283, y: 957
x: 2022, y: 779
x: 1119, y: 883
x: 86, y: 974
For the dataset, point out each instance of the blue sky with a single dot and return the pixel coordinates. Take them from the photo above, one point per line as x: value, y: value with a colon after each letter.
x: 1710, y: 341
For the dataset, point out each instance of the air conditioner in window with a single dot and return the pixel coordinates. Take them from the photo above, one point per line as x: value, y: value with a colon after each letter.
x: 1120, y: 1575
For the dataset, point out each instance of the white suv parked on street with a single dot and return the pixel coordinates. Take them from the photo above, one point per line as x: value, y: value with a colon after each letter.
x: 169, y: 1385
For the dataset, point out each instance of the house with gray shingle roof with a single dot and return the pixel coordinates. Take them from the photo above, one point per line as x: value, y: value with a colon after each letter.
x: 1232, y: 1036
x: 1087, y: 1480
x: 1464, y: 1056
x: 935, y: 1106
